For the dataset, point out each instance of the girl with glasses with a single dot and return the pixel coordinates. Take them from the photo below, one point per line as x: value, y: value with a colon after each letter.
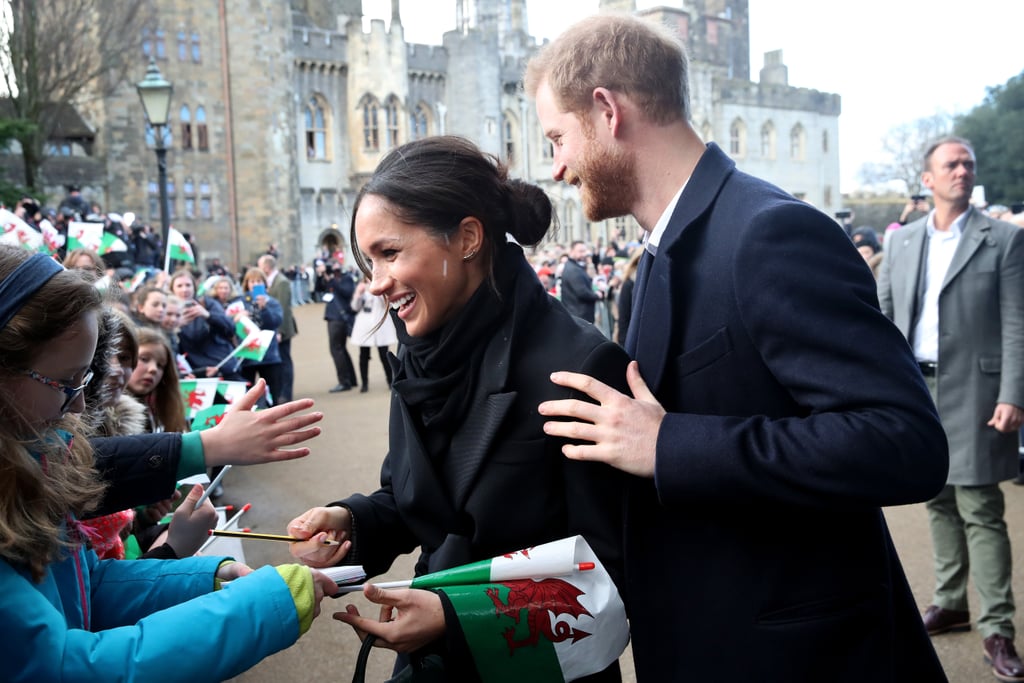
x: 66, y: 614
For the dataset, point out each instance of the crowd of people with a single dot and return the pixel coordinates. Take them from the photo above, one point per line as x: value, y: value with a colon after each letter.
x: 721, y: 411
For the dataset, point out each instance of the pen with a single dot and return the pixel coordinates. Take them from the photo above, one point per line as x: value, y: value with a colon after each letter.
x: 263, y: 537
x: 212, y: 486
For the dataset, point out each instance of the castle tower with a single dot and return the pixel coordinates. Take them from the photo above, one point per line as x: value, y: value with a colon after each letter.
x: 330, y: 14
x: 378, y: 92
x: 500, y: 17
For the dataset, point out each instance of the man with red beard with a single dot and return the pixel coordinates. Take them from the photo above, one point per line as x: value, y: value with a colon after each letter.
x: 764, y: 429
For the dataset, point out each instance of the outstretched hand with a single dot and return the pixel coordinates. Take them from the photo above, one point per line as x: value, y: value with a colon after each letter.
x: 622, y: 431
x: 409, y: 618
x: 245, y: 437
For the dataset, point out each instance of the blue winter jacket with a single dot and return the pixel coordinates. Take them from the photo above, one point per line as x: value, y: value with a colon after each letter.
x: 108, y: 620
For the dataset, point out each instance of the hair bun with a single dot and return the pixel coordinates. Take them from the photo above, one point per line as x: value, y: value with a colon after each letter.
x: 531, y: 212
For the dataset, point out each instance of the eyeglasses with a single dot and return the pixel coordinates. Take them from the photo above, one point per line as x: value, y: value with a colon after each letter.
x: 70, y: 393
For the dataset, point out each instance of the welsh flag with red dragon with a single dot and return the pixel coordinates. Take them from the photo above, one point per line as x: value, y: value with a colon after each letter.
x: 547, y: 613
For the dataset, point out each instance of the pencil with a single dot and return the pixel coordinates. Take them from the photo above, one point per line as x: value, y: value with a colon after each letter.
x: 263, y: 537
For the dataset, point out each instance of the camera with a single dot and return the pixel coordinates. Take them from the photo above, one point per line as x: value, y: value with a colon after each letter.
x: 917, y: 198
x: 846, y: 213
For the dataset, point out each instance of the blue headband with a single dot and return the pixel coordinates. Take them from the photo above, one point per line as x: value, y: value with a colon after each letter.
x: 24, y: 281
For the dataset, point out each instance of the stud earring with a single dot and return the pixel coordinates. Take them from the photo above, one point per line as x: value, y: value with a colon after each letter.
x: 469, y: 256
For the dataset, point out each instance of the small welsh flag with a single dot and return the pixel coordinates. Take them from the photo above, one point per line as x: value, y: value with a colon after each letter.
x: 208, y: 417
x: 547, y: 613
x: 52, y: 240
x: 140, y: 276
x: 244, y: 327
x: 231, y: 391
x: 178, y: 248
x: 92, y: 236
x: 255, y: 346
x: 198, y: 394
x: 18, y: 233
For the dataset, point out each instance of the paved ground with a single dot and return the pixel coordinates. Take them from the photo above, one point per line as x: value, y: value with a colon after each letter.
x: 346, y: 459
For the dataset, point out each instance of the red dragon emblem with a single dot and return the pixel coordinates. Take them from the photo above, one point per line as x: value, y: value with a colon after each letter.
x: 213, y: 421
x: 541, y: 600
x: 195, y: 398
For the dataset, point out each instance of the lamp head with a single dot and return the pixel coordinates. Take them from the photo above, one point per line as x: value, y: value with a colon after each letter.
x: 155, y: 93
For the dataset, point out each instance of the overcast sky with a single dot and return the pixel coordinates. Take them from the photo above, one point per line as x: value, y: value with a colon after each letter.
x: 892, y: 61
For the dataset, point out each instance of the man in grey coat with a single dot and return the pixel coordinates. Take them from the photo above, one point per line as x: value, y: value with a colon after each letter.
x: 953, y: 282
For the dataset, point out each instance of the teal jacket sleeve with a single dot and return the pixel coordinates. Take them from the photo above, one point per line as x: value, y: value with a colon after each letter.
x: 212, y: 637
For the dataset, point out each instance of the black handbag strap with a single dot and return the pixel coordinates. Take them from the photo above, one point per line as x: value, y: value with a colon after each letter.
x: 359, y: 675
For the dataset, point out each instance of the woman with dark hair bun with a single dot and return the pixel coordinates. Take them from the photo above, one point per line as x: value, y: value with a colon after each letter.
x: 470, y: 473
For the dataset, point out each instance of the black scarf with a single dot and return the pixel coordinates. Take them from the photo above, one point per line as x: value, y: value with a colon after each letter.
x: 435, y: 375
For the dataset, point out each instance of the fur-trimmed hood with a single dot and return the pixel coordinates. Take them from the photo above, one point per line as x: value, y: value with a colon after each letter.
x: 124, y: 418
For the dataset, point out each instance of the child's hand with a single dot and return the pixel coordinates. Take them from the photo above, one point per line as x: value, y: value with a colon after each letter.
x: 322, y: 585
x: 251, y: 438
x: 229, y: 571
x: 190, y: 527
x: 158, y: 510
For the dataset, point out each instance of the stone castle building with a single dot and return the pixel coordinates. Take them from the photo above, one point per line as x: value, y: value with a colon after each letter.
x: 281, y: 110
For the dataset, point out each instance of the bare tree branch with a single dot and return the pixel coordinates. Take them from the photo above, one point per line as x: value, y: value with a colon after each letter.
x: 57, y: 52
x: 904, y: 147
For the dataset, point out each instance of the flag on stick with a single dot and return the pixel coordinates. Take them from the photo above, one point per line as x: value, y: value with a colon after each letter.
x: 254, y: 347
x: 198, y: 394
x: 18, y: 233
x: 230, y: 391
x: 52, y: 240
x: 178, y: 248
x: 83, y: 235
x: 244, y: 326
x: 548, y: 613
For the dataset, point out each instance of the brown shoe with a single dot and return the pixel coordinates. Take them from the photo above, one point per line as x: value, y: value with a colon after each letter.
x: 1000, y: 653
x: 938, y: 620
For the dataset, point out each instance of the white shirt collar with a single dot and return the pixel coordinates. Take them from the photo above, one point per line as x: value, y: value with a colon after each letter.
x: 653, y: 238
x: 955, y: 229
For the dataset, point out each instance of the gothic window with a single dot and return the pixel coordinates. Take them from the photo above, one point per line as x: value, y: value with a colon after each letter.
x: 189, y: 190
x: 161, y: 44
x: 827, y: 197
x: 316, y: 129
x: 147, y: 42
x: 186, y: 126
x: 391, y: 109
x: 738, y: 138
x: 202, y: 133
x: 419, y: 122
x: 182, y: 46
x: 508, y: 132
x: 371, y: 131
x: 824, y: 142
x: 205, y: 201
x: 196, y: 54
x: 570, y: 217
x: 768, y: 140
x: 797, y: 143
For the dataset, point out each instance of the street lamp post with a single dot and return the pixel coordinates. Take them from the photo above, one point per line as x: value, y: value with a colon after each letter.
x: 155, y: 93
